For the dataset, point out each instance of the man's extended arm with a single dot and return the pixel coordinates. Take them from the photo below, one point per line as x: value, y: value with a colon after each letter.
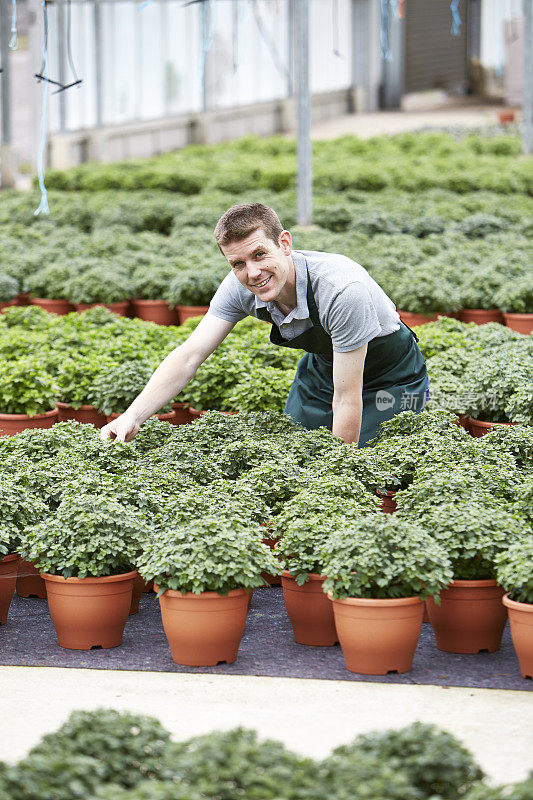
x: 348, y: 393
x: 171, y: 376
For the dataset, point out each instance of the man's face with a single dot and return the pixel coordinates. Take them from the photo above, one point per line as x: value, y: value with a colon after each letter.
x: 261, y: 265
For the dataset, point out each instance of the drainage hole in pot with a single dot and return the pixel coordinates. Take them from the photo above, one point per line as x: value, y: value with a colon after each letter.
x: 484, y: 650
x: 392, y: 672
x: 96, y: 647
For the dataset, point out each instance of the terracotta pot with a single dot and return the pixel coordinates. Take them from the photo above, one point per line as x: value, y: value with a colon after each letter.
x: 184, y: 312
x: 388, y: 503
x: 481, y: 315
x: 120, y: 308
x: 522, y: 323
x: 310, y: 611
x: 89, y: 612
x: 157, y: 311
x: 195, y: 413
x: 8, y: 578
x: 521, y: 622
x: 56, y: 306
x: 138, y: 588
x: 87, y: 414
x: 182, y: 415
x: 464, y: 422
x: 168, y: 416
x: 506, y: 116
x: 15, y: 423
x: 425, y: 618
x: 470, y: 617
x: 23, y: 299
x: 203, y: 629
x: 477, y: 427
x: 378, y: 636
x: 272, y: 580
x: 8, y: 304
x: 411, y: 319
x: 29, y: 581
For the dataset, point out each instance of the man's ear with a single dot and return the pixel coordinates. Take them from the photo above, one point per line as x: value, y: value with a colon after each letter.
x: 285, y: 242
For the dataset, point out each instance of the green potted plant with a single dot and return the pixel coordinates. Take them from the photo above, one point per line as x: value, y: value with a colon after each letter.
x: 149, y: 287
x: 46, y: 287
x: 192, y: 289
x: 477, y: 295
x: 303, y: 526
x: 100, y: 286
x: 27, y: 395
x: 423, y: 292
x: 203, y: 572
x: 75, y: 379
x: 114, y: 389
x: 515, y: 299
x: 18, y: 509
x: 86, y: 552
x: 9, y: 289
x: 378, y: 574
x: 514, y: 573
x: 470, y: 616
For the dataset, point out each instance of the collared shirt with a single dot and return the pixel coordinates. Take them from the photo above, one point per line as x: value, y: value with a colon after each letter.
x: 353, y: 309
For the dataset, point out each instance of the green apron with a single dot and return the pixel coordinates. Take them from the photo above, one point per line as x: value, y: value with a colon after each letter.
x: 394, y: 377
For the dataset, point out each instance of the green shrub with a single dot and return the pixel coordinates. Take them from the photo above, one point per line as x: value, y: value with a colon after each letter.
x: 514, y: 570
x: 152, y: 283
x: 114, y: 389
x: 18, y: 509
x: 26, y: 387
x: 194, y: 287
x: 9, y: 288
x: 516, y: 296
x: 56, y: 776
x: 434, y: 761
x: 515, y: 791
x: 98, y: 285
x: 50, y: 282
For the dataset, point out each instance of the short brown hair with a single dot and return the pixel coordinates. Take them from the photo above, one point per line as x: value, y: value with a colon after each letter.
x: 240, y: 221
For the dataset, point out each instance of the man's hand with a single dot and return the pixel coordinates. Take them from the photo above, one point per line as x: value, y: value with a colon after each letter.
x: 123, y: 428
x: 348, y: 393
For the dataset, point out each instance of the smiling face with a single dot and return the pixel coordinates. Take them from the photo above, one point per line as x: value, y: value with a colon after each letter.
x: 264, y: 267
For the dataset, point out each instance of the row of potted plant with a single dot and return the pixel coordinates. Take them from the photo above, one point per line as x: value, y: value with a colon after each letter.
x: 312, y: 483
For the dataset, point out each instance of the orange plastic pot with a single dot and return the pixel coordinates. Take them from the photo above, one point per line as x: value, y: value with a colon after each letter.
x: 8, y: 304
x: 272, y: 580
x: 388, y: 503
x: 157, y: 311
x: 481, y: 315
x: 182, y: 415
x: 8, y: 578
x: 87, y: 414
x: 15, y: 423
x: 378, y: 636
x: 53, y: 306
x: 470, y: 616
x: 463, y: 421
x: 185, y: 312
x: 479, y: 428
x: 29, y: 581
x: 521, y: 323
x: 310, y: 611
x: 411, y: 319
x: 203, y: 629
x: 89, y: 612
x: 138, y: 588
x: 120, y: 308
x: 521, y: 623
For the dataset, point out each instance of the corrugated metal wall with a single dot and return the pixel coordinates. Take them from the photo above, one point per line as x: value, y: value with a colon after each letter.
x: 434, y: 58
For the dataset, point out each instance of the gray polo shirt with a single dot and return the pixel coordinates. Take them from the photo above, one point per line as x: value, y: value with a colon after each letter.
x: 353, y: 309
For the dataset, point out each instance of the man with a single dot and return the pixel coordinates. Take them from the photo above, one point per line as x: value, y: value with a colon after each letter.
x: 362, y: 365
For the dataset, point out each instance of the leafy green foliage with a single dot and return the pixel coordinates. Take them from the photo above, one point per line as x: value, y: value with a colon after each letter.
x: 26, y: 387
x: 99, y: 285
x: 434, y: 761
x: 214, y: 553
x: 9, y: 288
x: 384, y: 558
x: 513, y: 570
x: 127, y: 748
x: 515, y: 791
x: 114, y: 389
x: 18, y: 509
x: 194, y: 287
x: 55, y: 776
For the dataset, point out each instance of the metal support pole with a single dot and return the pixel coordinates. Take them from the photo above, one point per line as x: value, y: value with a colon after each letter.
x: 6, y: 151
x: 528, y: 89
x: 305, y: 179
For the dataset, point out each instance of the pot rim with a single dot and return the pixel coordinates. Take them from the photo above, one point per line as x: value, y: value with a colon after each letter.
x: 48, y: 576
x: 16, y: 417
x: 9, y: 557
x: 516, y: 604
x: 313, y: 576
x: 83, y: 407
x: 144, y: 301
x: 383, y: 602
x: 515, y: 314
x: 472, y: 583
x: 182, y: 307
x: 484, y: 424
x: 203, y: 595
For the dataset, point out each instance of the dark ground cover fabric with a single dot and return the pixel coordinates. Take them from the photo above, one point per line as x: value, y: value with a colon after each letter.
x: 267, y: 649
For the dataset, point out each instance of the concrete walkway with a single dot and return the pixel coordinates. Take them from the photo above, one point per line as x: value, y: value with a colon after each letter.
x: 309, y: 716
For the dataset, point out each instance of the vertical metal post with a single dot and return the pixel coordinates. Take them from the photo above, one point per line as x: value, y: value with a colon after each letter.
x: 98, y: 61
x: 528, y: 89
x: 6, y: 150
x: 305, y: 179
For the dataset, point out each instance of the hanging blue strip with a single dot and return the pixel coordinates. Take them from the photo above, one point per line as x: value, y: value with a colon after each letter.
x: 385, y: 52
x: 143, y: 5
x: 14, y: 42
x: 456, y: 18
x: 43, y: 205
x: 395, y: 8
